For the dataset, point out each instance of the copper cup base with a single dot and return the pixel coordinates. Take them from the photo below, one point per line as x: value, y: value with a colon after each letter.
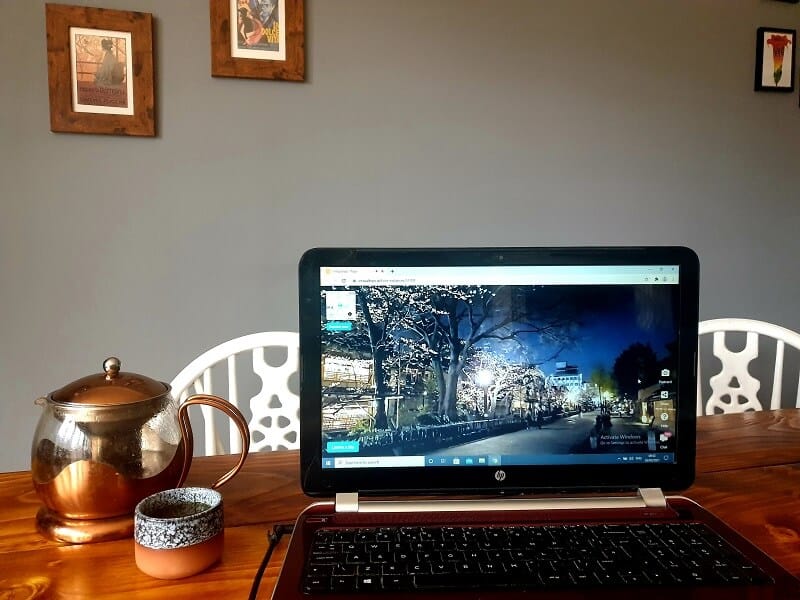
x: 176, y: 563
x: 82, y: 531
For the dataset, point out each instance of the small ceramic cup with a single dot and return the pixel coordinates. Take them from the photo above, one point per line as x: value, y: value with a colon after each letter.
x: 178, y: 532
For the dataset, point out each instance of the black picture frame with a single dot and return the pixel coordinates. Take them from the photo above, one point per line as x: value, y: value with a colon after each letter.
x: 774, y: 48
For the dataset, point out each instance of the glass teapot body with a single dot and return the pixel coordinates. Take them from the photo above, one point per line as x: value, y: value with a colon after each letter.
x: 102, y: 444
x: 100, y: 461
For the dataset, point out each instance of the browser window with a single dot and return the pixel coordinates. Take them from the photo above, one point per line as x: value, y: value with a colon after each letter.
x: 439, y: 366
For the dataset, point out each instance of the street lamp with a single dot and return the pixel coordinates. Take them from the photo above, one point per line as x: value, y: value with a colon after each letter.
x: 485, y: 380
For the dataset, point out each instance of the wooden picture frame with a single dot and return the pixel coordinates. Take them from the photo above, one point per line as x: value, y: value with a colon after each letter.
x: 775, y: 56
x: 100, y: 70
x: 258, y: 39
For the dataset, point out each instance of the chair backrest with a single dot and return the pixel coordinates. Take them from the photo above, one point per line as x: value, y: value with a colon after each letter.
x: 735, y: 387
x: 275, y: 421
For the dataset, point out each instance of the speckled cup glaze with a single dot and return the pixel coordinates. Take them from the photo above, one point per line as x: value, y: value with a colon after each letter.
x: 178, y: 532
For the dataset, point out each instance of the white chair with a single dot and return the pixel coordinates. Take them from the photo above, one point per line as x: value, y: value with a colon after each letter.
x: 734, y: 388
x: 275, y: 421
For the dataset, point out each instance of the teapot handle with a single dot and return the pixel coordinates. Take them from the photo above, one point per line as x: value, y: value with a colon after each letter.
x: 188, y: 438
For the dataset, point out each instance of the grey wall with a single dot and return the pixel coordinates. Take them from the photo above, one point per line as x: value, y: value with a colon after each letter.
x: 444, y: 122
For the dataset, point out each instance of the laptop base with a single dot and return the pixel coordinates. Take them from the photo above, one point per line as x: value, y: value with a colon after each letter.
x: 677, y: 510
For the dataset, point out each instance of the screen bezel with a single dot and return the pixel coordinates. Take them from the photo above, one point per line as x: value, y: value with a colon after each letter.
x: 317, y: 481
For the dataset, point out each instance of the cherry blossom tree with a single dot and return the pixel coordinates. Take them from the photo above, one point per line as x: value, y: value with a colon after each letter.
x: 439, y: 328
x: 495, y: 374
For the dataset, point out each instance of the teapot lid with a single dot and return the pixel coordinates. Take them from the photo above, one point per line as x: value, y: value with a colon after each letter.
x: 110, y: 388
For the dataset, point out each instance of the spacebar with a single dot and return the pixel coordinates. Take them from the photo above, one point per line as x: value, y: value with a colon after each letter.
x: 462, y: 581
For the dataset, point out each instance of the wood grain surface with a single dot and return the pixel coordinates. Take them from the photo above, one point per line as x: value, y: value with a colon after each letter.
x: 748, y: 474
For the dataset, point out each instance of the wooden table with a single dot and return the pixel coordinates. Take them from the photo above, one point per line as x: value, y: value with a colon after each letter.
x: 748, y: 473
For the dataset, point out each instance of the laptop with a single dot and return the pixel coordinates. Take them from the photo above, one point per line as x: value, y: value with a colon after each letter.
x: 502, y: 423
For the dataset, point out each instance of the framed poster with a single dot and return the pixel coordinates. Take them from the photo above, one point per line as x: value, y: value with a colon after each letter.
x: 99, y: 62
x: 775, y: 59
x: 100, y: 70
x: 259, y: 39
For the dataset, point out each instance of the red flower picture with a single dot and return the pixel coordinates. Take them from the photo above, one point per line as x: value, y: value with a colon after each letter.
x: 775, y: 59
x: 778, y: 43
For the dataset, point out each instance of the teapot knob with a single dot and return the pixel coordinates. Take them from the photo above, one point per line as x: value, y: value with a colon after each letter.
x: 111, y: 366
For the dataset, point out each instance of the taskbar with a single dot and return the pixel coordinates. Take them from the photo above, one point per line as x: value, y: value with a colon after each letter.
x: 493, y: 460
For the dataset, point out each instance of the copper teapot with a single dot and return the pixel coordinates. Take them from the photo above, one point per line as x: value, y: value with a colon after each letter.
x: 106, y: 441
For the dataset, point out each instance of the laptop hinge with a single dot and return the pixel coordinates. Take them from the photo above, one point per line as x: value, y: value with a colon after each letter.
x: 645, y: 498
x: 347, y: 502
x: 653, y: 497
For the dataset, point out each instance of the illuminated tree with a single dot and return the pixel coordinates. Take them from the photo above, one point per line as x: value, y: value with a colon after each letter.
x: 493, y: 374
x: 453, y: 321
x: 439, y: 328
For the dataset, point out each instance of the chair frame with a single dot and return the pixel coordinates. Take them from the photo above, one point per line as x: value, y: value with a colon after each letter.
x: 197, y: 374
x: 734, y: 364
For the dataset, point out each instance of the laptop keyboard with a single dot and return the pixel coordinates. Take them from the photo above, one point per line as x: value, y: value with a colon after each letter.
x: 523, y: 557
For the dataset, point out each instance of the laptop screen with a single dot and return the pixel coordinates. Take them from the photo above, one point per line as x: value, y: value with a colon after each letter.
x: 498, y: 360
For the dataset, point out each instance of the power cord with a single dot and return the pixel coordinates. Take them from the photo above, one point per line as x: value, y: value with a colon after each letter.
x: 274, y: 536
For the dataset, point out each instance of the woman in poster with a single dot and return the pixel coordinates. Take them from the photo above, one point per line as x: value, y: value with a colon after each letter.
x: 256, y: 19
x: 110, y: 71
x: 250, y: 28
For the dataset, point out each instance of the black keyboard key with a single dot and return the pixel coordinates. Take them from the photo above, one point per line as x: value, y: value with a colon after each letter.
x: 452, y: 556
x: 343, y: 583
x: 397, y: 582
x: 660, y: 577
x: 343, y: 569
x: 491, y: 568
x: 418, y: 568
x: 453, y: 581
x: 584, y: 578
x: 440, y: 568
x: 324, y: 559
x: 368, y: 583
x: 633, y: 577
x: 356, y: 558
x: 369, y: 570
x: 608, y: 578
x: 468, y: 568
x: 313, y: 584
x: 317, y: 570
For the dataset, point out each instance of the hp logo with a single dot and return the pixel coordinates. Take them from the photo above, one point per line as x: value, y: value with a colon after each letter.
x: 500, y: 475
